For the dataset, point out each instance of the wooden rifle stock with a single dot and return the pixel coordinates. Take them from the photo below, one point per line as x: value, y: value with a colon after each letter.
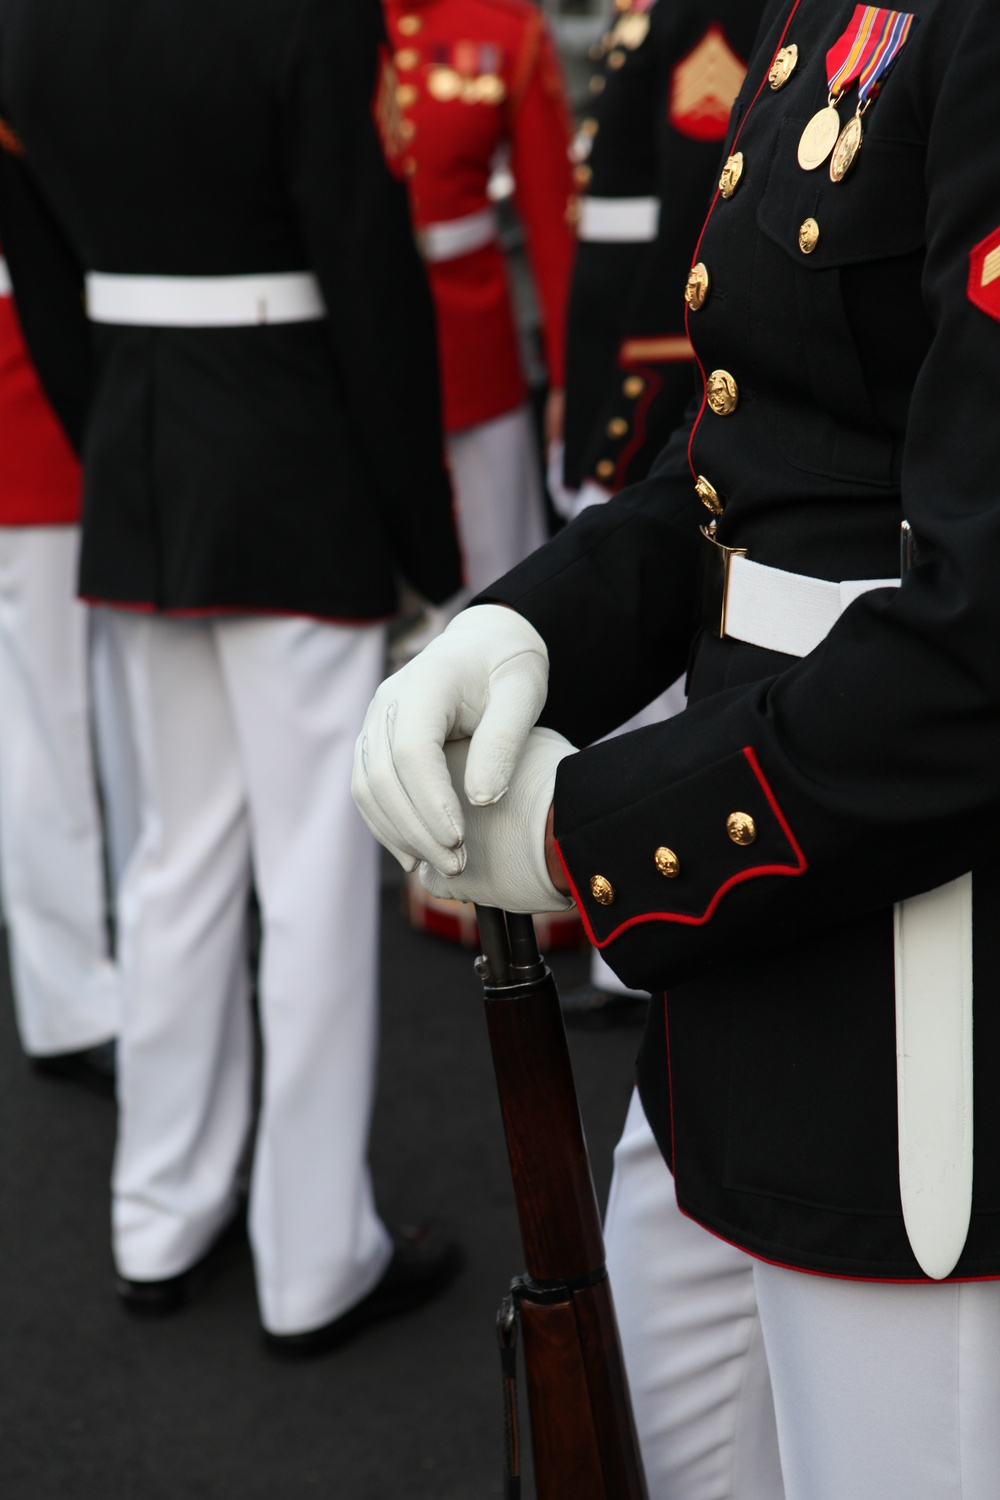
x: 583, y: 1433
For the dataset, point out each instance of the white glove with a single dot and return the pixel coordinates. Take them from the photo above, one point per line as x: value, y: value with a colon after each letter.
x: 485, y: 679
x: 590, y: 493
x: 506, y: 841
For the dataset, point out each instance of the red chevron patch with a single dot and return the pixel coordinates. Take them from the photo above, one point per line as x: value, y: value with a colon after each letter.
x: 984, y: 275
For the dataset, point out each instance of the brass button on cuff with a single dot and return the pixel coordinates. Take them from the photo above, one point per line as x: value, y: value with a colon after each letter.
x: 605, y: 469
x: 784, y: 65
x: 667, y: 862
x: 808, y: 236
x: 696, y: 290
x: 741, y: 828
x: 722, y: 393
x: 708, y: 495
x: 602, y: 890
x: 617, y: 427
x: 633, y: 387
x: 731, y: 174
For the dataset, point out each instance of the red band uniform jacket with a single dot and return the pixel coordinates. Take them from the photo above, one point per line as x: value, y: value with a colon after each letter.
x: 40, y: 481
x: 864, y: 363
x: 477, y: 78
x: 668, y: 72
x: 288, y: 468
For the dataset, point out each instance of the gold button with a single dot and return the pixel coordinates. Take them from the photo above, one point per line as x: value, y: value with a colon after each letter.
x: 616, y: 59
x: 406, y: 94
x: 407, y: 58
x: 808, y: 236
x: 605, y: 469
x: 410, y: 25
x: 582, y: 176
x: 667, y: 862
x: 741, y: 828
x: 596, y: 84
x: 783, y: 67
x: 602, y: 890
x: 723, y: 393
x: 617, y: 427
x: 696, y: 290
x: 589, y: 128
x: 708, y: 495
x: 731, y: 174
x: 573, y: 212
x: 633, y: 386
x: 409, y: 167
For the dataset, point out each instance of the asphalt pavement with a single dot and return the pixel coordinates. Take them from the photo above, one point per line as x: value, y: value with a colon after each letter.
x: 95, y: 1405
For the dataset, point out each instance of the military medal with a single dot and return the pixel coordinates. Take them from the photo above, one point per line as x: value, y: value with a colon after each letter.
x: 889, y: 32
x: 819, y: 138
x: 444, y: 84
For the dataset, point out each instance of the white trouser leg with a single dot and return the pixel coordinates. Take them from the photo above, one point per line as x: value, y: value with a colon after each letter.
x: 65, y: 986
x: 116, y: 767
x: 691, y: 1337
x: 884, y: 1392
x: 299, y: 691
x: 498, y: 495
x: 881, y: 1392
x: 185, y: 1053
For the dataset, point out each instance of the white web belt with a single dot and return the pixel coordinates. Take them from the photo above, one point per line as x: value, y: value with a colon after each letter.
x: 453, y: 238
x: 204, y: 301
x: 932, y: 937
x: 618, y: 220
x: 6, y: 290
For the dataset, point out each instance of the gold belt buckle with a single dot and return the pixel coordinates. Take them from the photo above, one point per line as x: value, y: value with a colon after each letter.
x: 716, y: 563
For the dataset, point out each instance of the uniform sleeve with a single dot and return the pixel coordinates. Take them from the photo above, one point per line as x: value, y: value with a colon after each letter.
x: 539, y: 159
x: 339, y: 119
x: 48, y: 284
x: 869, y: 768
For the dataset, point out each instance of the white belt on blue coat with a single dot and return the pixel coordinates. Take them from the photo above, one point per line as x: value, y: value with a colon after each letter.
x: 933, y: 948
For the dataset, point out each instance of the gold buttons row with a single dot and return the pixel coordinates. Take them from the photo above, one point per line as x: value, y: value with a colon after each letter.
x: 740, y: 827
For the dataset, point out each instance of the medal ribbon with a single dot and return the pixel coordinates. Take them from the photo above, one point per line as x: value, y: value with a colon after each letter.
x: 895, y: 27
x: 867, y: 50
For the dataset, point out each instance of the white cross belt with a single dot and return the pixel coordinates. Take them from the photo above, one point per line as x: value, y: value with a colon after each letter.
x: 204, y: 301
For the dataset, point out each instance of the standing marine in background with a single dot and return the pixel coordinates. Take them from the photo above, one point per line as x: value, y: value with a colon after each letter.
x: 480, y: 85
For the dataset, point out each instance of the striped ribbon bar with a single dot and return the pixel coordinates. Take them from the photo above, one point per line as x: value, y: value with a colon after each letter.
x: 867, y: 50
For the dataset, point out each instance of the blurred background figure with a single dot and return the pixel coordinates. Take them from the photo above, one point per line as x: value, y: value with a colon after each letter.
x: 52, y: 865
x: 646, y: 158
x: 483, y: 103
x: 262, y: 461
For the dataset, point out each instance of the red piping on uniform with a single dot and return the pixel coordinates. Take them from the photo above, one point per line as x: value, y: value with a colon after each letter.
x: 711, y: 210
x: 683, y: 918
x: 654, y: 384
x: 828, y: 1275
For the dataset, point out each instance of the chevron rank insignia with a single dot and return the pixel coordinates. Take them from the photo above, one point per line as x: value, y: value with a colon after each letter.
x: 984, y: 275
x: 704, y: 86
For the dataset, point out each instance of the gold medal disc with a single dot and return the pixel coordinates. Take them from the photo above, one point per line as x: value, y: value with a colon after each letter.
x: 444, y: 84
x: 819, y: 138
x: 846, y: 150
x: 492, y: 89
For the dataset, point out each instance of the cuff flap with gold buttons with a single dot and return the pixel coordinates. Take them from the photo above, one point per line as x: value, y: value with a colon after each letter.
x: 676, y: 855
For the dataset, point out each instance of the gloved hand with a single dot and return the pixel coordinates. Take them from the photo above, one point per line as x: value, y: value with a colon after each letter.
x: 505, y: 842
x: 485, y: 679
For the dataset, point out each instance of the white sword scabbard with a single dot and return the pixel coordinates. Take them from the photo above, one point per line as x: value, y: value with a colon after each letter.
x: 933, y: 951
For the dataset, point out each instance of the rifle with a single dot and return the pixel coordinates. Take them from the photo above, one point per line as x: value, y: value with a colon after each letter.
x: 582, y: 1428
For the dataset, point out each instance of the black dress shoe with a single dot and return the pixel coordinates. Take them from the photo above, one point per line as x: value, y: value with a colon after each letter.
x: 155, y: 1298
x: 93, y: 1067
x: 424, y: 1263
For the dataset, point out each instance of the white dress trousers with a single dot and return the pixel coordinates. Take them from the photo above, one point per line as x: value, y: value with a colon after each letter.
x: 754, y: 1382
x: 244, y: 730
x: 51, y: 844
x: 498, y: 497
